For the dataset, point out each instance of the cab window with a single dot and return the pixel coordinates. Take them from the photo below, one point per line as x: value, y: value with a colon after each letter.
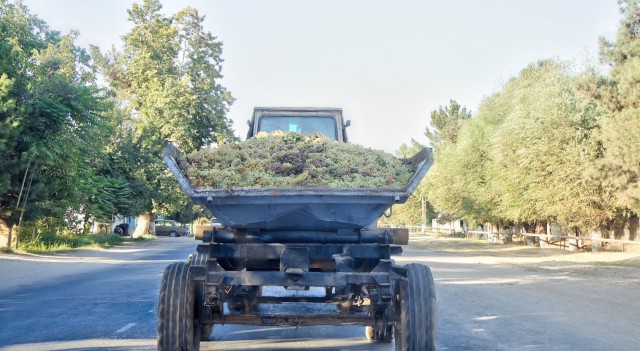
x: 307, y: 124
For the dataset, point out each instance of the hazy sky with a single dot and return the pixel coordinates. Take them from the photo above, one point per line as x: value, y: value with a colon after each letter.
x: 387, y: 64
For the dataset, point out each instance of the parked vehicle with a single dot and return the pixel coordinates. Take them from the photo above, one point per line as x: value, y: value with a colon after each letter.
x: 170, y: 228
x: 298, y: 238
x: 121, y: 229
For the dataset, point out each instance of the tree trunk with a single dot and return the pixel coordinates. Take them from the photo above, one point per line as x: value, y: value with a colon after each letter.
x: 574, y: 244
x: 10, y: 237
x: 544, y: 240
x: 143, y: 225
x: 538, y: 228
x: 86, y: 225
x: 596, y: 244
x: 508, y: 236
x: 529, y: 240
x: 634, y: 224
x: 494, y: 234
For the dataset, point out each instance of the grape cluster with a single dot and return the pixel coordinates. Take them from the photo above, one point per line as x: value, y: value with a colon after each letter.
x: 293, y: 160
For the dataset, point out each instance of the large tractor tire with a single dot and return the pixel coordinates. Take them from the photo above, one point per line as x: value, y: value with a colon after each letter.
x: 176, y: 308
x: 417, y: 330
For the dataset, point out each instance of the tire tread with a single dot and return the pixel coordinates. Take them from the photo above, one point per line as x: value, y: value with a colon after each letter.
x: 176, y: 310
x: 417, y: 328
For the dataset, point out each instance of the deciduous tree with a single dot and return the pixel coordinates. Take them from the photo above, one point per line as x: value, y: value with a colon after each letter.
x: 446, y: 123
x: 168, y: 75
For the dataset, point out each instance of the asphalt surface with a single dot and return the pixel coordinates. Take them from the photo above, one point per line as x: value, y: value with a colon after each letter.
x: 107, y: 300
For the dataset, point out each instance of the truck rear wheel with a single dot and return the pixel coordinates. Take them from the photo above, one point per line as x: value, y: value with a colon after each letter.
x: 417, y: 330
x: 176, y: 307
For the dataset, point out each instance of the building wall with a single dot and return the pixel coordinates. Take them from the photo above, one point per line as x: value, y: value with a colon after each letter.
x: 458, y: 225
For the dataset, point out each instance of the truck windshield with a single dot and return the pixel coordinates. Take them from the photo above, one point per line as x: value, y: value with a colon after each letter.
x: 305, y: 124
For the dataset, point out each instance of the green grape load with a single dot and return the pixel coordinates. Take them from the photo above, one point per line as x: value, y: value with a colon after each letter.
x: 294, y: 160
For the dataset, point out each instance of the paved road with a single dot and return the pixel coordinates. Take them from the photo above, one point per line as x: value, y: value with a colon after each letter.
x: 107, y: 299
x: 68, y: 299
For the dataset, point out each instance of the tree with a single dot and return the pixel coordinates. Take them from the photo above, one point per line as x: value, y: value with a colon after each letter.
x: 525, y: 157
x: 168, y: 75
x: 446, y: 122
x: 21, y: 33
x: 52, y: 118
x: 542, y: 153
x: 619, y: 94
x: 456, y: 184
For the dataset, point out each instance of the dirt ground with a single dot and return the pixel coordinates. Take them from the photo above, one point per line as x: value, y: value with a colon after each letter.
x: 602, y: 264
x: 513, y: 297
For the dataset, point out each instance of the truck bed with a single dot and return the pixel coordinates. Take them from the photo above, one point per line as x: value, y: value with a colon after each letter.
x: 303, y: 209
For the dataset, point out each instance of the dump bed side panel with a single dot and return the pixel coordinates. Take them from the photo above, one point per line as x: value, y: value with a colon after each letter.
x: 298, y: 208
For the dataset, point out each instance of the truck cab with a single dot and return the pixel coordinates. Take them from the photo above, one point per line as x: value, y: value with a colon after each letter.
x: 326, y: 121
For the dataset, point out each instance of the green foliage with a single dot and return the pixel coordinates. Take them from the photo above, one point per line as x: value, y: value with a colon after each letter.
x: 456, y: 183
x: 546, y: 147
x: 167, y: 76
x: 406, y: 151
x: 52, y: 118
x: 619, y: 94
x: 169, y: 71
x: 49, y: 240
x: 69, y: 147
x: 620, y: 135
x: 539, y: 150
x: 289, y: 159
x: 446, y: 123
x: 526, y: 156
x: 107, y: 197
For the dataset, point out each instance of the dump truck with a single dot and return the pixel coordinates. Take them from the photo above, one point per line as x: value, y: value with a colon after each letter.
x: 320, y: 246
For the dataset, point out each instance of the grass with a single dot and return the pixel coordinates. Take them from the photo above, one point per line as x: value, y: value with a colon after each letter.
x: 63, y: 243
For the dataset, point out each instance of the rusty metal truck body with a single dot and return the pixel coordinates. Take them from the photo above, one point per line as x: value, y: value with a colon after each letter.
x: 299, y: 239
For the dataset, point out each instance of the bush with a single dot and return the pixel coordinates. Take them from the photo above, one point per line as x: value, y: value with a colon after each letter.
x: 51, y: 240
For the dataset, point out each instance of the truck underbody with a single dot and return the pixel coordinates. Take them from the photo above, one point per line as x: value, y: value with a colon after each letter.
x: 359, y: 279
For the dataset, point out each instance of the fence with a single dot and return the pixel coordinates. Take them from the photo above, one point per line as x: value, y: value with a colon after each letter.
x: 562, y: 241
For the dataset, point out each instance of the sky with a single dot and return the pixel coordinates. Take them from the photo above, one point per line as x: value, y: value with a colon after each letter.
x: 387, y: 64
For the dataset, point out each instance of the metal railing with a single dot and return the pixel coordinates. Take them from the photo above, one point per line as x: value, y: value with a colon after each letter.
x: 562, y: 241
